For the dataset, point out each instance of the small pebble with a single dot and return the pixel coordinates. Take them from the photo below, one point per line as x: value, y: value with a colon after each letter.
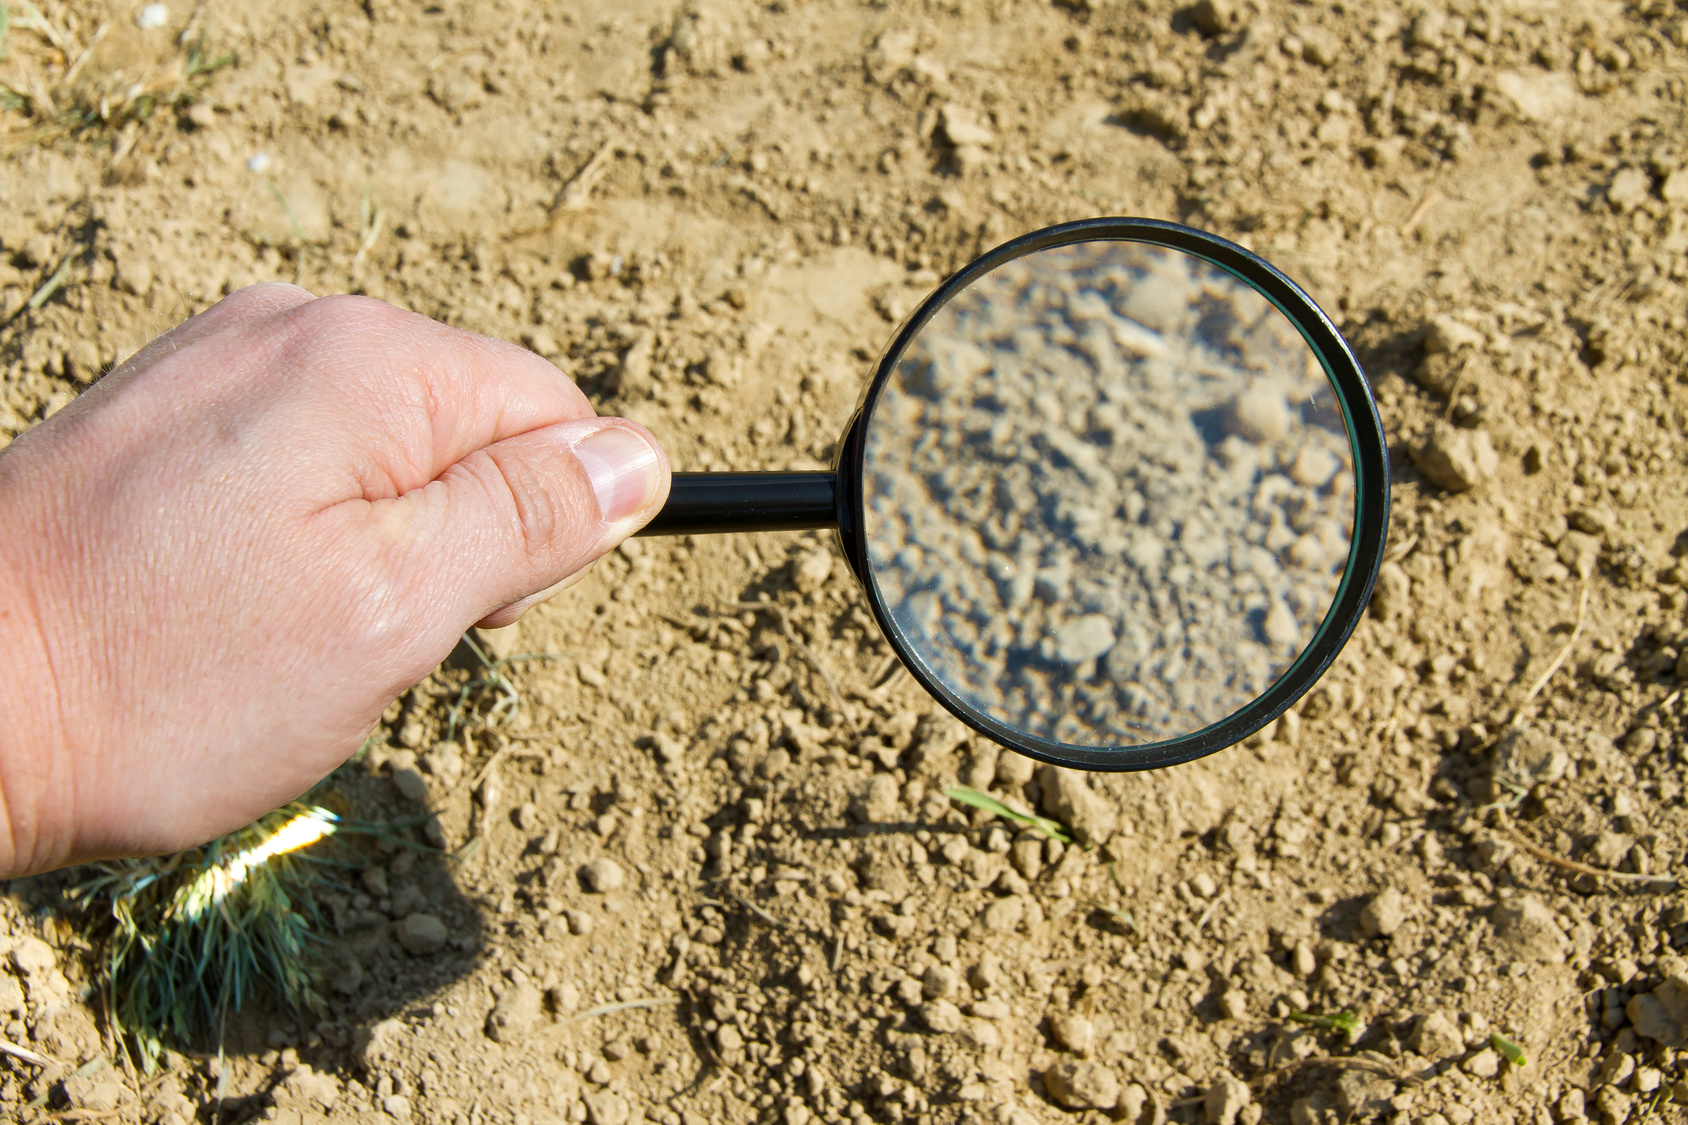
x: 1384, y: 914
x: 152, y: 17
x: 1073, y: 1031
x: 939, y: 982
x: 412, y: 786
x: 1081, y: 1084
x: 602, y: 876
x: 812, y: 570
x: 422, y: 934
x: 258, y: 162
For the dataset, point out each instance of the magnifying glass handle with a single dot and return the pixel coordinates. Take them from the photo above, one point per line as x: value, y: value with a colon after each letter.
x: 708, y: 503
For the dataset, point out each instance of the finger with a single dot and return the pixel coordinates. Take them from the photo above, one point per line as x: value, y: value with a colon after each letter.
x: 508, y: 614
x: 508, y: 522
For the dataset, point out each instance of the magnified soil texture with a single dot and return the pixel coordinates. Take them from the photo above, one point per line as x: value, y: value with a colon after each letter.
x: 1092, y: 507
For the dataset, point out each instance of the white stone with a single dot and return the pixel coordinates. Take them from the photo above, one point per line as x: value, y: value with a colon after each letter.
x: 602, y: 876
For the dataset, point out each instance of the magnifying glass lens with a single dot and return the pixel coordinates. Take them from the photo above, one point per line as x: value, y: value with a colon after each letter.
x: 1108, y: 495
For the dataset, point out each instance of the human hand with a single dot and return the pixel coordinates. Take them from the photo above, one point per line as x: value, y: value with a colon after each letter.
x: 224, y: 560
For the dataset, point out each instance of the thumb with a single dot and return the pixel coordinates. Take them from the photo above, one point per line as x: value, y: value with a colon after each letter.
x: 518, y: 520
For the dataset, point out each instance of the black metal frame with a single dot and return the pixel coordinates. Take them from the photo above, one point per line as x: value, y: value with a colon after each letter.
x: 1371, y: 514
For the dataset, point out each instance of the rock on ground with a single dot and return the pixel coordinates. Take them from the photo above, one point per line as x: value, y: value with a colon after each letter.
x: 1067, y: 797
x: 605, y: 1108
x: 1446, y: 334
x: 602, y: 876
x: 1662, y: 1014
x: 1456, y: 460
x: 941, y: 1015
x: 939, y: 982
x: 515, y: 1013
x: 810, y: 572
x: 1360, y: 1092
x: 375, y: 1045
x: 878, y: 803
x: 1226, y: 1098
x: 1526, y: 756
x: 1072, y: 1031
x: 422, y: 934
x: 1436, y: 1036
x: 1383, y: 913
x: 1082, y: 1084
x: 1526, y: 927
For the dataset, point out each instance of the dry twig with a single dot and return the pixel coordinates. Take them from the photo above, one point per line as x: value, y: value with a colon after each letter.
x: 1585, y: 869
x: 1207, y: 915
x: 504, y: 751
x: 578, y: 190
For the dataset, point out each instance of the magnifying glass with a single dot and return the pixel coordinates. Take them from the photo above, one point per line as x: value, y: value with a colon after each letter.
x: 1117, y: 493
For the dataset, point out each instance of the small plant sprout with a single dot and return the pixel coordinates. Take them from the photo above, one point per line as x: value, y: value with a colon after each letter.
x: 1508, y: 1050
x: 1053, y: 829
x: 1124, y: 917
x: 1348, y: 1023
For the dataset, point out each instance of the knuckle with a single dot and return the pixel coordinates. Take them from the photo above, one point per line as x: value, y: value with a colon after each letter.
x: 347, y: 312
x: 539, y: 516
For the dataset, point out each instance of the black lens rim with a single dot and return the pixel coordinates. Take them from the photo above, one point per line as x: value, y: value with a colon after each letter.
x: 1371, y: 493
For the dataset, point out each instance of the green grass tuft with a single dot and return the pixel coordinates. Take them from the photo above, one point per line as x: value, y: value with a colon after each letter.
x: 193, y: 935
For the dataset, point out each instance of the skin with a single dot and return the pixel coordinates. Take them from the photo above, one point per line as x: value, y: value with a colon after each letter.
x: 224, y: 560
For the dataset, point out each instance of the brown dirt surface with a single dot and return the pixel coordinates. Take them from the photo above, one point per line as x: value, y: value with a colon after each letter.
x: 710, y: 213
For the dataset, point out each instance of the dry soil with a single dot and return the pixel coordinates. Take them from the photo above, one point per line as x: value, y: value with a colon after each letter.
x: 729, y: 821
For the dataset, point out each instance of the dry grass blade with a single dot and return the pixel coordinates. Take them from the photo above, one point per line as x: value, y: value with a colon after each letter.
x: 505, y: 750
x: 760, y: 913
x: 24, y: 1054
x: 623, y: 1006
x: 1053, y: 829
x: 1564, y: 654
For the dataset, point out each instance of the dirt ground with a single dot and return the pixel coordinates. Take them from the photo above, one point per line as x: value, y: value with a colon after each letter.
x: 702, y: 868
